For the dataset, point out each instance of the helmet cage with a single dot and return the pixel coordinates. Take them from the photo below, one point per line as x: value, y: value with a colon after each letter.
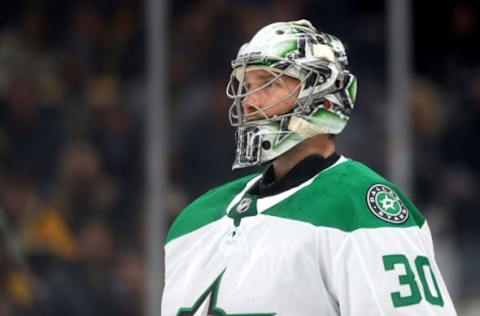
x: 313, y: 81
x: 238, y: 90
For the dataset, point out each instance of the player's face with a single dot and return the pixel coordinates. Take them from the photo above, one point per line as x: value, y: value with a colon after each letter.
x: 267, y: 95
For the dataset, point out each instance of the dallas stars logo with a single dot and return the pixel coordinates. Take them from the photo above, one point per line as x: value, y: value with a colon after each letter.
x: 206, y: 304
x: 244, y: 205
x: 386, y: 205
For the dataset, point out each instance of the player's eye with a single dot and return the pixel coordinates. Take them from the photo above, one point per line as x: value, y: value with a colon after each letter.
x: 270, y: 84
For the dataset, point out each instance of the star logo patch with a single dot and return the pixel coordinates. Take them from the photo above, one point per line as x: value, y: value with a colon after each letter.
x: 386, y: 205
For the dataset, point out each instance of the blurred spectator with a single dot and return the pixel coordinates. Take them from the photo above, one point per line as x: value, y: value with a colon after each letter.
x: 85, y: 286
x: 33, y: 235
x: 16, y: 290
x: 83, y: 188
x: 30, y: 129
x: 131, y: 283
x: 428, y: 118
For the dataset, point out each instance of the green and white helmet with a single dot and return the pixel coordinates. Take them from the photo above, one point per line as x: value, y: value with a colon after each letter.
x: 326, y: 90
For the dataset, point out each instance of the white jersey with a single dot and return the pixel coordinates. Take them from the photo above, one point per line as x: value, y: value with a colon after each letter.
x: 345, y: 242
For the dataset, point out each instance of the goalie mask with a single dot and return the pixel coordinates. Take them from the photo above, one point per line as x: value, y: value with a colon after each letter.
x: 322, y: 96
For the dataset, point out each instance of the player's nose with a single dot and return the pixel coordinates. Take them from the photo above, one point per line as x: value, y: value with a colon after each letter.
x: 251, y: 103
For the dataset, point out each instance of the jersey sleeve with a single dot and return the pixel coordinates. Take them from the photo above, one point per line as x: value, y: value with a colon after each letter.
x: 389, y: 271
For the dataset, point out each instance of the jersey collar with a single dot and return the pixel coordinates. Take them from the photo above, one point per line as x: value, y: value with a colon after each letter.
x: 304, y: 170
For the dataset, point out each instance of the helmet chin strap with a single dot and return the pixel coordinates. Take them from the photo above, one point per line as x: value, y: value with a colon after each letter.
x: 304, y: 128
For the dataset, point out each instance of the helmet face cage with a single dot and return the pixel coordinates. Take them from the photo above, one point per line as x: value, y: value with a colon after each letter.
x: 323, y: 97
x: 238, y: 90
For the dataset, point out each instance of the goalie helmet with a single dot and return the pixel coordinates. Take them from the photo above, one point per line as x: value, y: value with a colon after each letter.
x: 324, y: 97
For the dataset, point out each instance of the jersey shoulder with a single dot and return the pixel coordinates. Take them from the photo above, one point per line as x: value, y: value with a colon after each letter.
x: 348, y: 197
x: 208, y: 208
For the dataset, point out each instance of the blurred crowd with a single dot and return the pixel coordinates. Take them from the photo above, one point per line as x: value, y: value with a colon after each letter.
x: 72, y: 104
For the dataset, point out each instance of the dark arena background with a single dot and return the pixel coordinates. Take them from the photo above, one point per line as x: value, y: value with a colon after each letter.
x: 84, y: 210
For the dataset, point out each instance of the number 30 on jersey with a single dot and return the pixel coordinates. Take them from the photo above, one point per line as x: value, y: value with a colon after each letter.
x: 431, y: 291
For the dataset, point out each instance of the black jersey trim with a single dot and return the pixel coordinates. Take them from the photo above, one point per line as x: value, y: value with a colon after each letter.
x: 304, y: 170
